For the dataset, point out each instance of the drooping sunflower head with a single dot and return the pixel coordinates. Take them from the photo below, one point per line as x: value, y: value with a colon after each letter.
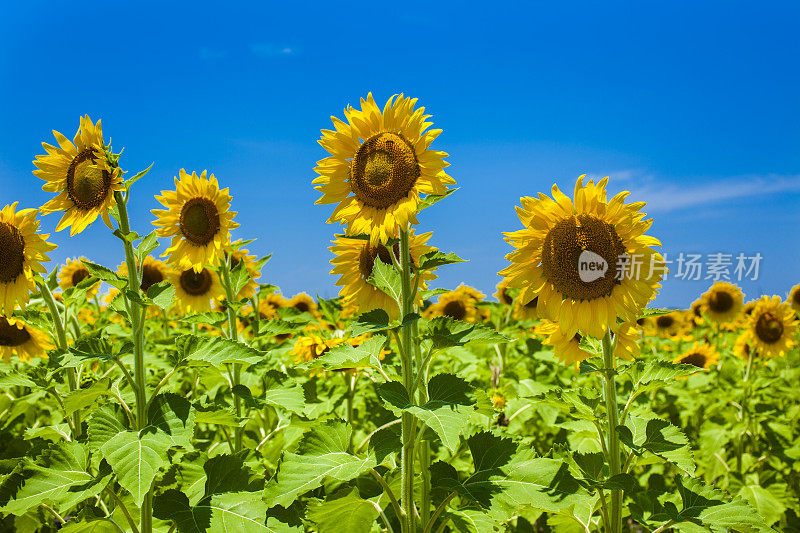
x: 794, y: 298
x: 197, y: 218
x: 22, y: 251
x: 697, y: 311
x: 773, y: 327
x: 21, y: 339
x: 82, y: 175
x: 379, y: 165
x: 503, y: 295
x: 195, y: 290
x: 722, y: 302
x: 354, y: 261
x: 702, y: 356
x: 460, y: 304
x: 74, y: 272
x: 572, y: 254
x: 238, y: 255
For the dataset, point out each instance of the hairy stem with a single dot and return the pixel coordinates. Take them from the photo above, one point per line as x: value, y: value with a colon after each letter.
x: 610, y: 393
x: 233, y: 334
x: 408, y: 425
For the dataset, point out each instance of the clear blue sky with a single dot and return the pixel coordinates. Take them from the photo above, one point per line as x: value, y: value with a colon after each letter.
x: 693, y: 106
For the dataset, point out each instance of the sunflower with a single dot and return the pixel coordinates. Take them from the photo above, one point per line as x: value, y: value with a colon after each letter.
x: 697, y: 309
x: 627, y: 341
x: 744, y: 345
x: 354, y: 260
x: 312, y: 346
x: 459, y: 304
x: 502, y: 294
x: 667, y: 325
x: 526, y: 311
x: 773, y: 327
x: 794, y: 298
x: 566, y: 349
x: 702, y: 356
x: 722, y: 302
x: 198, y: 219
x: 253, y: 273
x: 561, y: 237
x: 22, y: 251
x: 195, y: 290
x: 74, y: 272
x: 268, y: 305
x: 81, y: 175
x: 379, y: 165
x: 153, y: 271
x: 20, y: 339
x: 303, y: 303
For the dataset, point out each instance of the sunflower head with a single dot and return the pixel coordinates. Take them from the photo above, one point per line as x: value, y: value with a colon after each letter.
x: 562, y: 238
x: 152, y: 272
x: 380, y: 164
x: 303, y: 303
x: 195, y: 290
x: 22, y: 251
x: 83, y: 174
x: 773, y: 327
x: 20, y: 339
x: 74, y: 272
x: 197, y: 218
x: 702, y: 356
x: 794, y: 298
x: 722, y: 302
x: 460, y: 304
x: 503, y: 295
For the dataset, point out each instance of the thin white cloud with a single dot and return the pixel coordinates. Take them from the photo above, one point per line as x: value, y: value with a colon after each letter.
x: 271, y: 50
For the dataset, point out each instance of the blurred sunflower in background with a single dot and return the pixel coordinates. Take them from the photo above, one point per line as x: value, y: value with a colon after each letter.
x: 239, y: 254
x: 772, y: 327
x: 82, y: 175
x: 22, y: 251
x: 526, y: 311
x: 312, y: 345
x: 697, y: 310
x: 667, y: 325
x: 195, y: 290
x: 73, y: 272
x: 744, y: 345
x: 699, y: 355
x: 559, y: 234
x: 354, y: 260
x: 268, y: 305
x: 379, y: 165
x: 199, y: 220
x: 503, y: 295
x: 303, y: 303
x: 152, y: 272
x: 794, y: 298
x: 20, y: 339
x: 460, y: 304
x: 722, y: 302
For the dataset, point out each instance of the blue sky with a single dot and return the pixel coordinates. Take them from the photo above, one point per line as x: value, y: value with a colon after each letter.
x: 692, y: 106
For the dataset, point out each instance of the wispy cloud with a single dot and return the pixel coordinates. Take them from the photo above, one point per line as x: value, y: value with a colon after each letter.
x: 272, y: 50
x: 208, y: 53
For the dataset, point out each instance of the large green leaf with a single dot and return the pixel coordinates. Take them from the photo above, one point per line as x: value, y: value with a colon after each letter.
x: 446, y: 332
x: 386, y: 279
x: 172, y: 415
x: 136, y: 459
x: 216, y: 351
x: 660, y: 438
x: 280, y: 392
x: 344, y: 356
x: 346, y: 511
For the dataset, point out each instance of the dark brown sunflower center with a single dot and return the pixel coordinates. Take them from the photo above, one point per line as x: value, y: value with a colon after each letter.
x: 303, y: 307
x: 384, y: 170
x: 366, y: 261
x: 720, y: 302
x: 665, y: 321
x: 697, y: 310
x: 769, y: 328
x: 533, y: 303
x: 11, y: 335
x: 455, y: 309
x: 641, y: 321
x: 87, y: 185
x: 78, y: 276
x: 199, y: 221
x: 505, y: 297
x: 566, y: 265
x: 12, y: 258
x: 150, y: 276
x: 196, y: 283
x: 694, y: 359
x: 796, y: 297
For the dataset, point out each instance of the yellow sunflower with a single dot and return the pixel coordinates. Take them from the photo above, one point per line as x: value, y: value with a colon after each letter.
x: 667, y: 325
x: 22, y: 340
x: 502, y: 294
x: 570, y: 255
x: 722, y: 302
x: 627, y: 341
x: 773, y: 327
x: 379, y: 165
x: 195, y: 290
x: 700, y: 355
x: 241, y: 254
x: 794, y: 298
x: 526, y: 311
x: 72, y: 273
x: 744, y: 345
x: 22, y: 251
x: 354, y: 260
x: 697, y: 310
x: 153, y: 271
x: 81, y: 175
x: 198, y: 219
x: 566, y: 349
x: 459, y: 304
x: 303, y: 303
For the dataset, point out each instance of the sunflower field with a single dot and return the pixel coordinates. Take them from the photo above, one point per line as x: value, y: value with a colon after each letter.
x: 179, y: 391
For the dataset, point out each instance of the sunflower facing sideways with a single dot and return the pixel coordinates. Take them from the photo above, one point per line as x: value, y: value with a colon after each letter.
x: 772, y: 326
x: 22, y: 251
x: 74, y: 272
x: 198, y: 219
x: 379, y: 165
x: 20, y: 339
x: 794, y: 298
x: 702, y: 356
x: 195, y: 290
x: 238, y: 255
x: 459, y: 304
x: 354, y: 260
x: 722, y: 302
x: 81, y: 175
x: 561, y: 236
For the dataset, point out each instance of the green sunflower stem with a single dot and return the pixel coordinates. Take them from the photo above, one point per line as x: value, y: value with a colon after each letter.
x: 61, y: 338
x: 137, y: 317
x: 233, y: 334
x: 407, y: 424
x: 610, y: 393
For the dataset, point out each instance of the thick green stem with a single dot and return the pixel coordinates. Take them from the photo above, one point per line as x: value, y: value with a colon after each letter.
x: 425, y: 450
x: 61, y: 339
x: 233, y: 334
x: 408, y: 425
x: 137, y: 316
x: 610, y: 393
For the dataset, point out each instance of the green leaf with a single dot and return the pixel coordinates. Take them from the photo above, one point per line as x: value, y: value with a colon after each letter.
x: 149, y: 244
x: 279, y: 326
x: 83, y: 398
x: 53, y: 433
x: 104, y: 424
x: 216, y: 351
x: 323, y: 454
x: 103, y: 525
x: 366, y: 354
x: 446, y: 332
x: 210, y: 318
x: 654, y: 312
x: 712, y: 507
x: 435, y: 259
x: 654, y: 374
x: 173, y: 415
x: 280, y: 392
x: 386, y: 279
x: 764, y: 502
x: 106, y: 274
x: 345, y: 511
x: 660, y: 438
x: 15, y: 379
x: 370, y: 322
x: 136, y: 459
x: 161, y: 294
x: 431, y: 199
x: 239, y: 277
x: 136, y: 177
